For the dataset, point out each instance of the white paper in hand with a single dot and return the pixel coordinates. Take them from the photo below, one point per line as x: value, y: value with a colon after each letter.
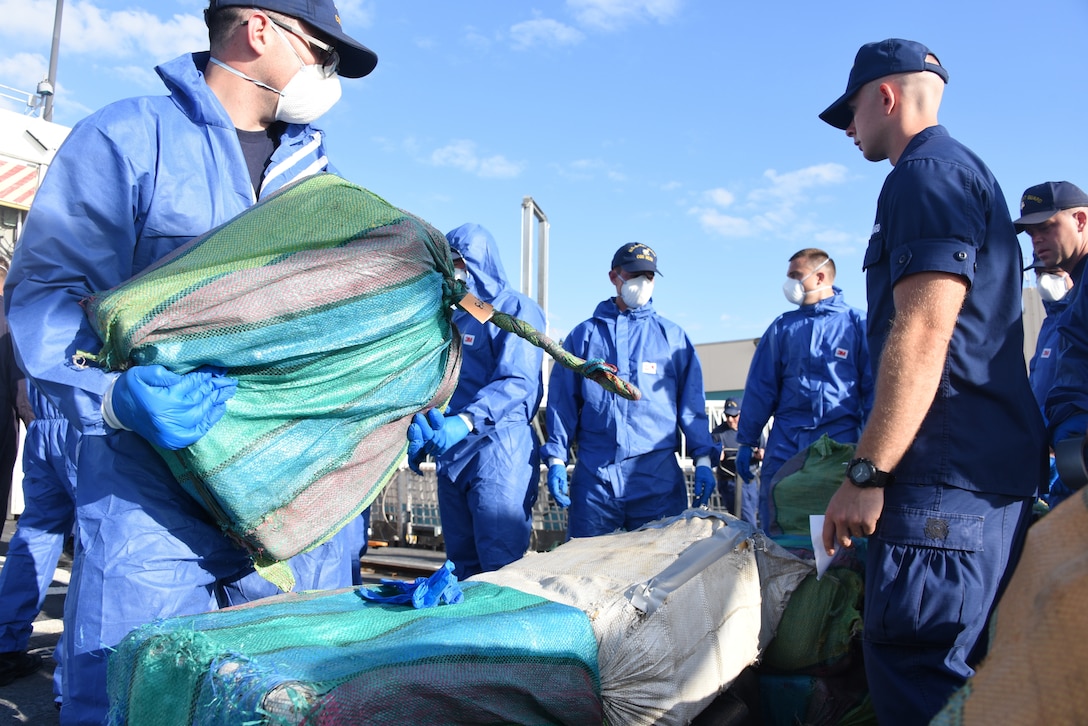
x: 816, y: 532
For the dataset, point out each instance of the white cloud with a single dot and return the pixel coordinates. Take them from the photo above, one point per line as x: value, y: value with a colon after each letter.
x: 498, y: 167
x: 89, y: 29
x: 610, y: 15
x: 721, y: 197
x: 23, y: 71
x: 140, y: 76
x: 771, y: 209
x: 723, y: 224
x: 587, y: 169
x: 462, y: 154
x: 793, y: 183
x: 543, y: 31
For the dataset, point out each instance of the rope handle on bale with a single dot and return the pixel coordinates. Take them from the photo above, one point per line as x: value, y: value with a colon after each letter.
x: 595, y: 370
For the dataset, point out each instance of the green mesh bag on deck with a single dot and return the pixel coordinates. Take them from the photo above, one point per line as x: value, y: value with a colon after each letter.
x: 331, y: 657
x: 331, y: 308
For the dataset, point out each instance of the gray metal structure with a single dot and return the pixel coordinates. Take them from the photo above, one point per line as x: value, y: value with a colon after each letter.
x: 530, y: 211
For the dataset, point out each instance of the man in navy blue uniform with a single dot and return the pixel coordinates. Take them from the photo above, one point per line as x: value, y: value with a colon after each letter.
x: 954, y: 450
x: 1054, y: 215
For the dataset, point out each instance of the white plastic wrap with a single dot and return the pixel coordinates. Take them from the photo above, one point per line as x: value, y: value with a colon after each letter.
x: 679, y: 607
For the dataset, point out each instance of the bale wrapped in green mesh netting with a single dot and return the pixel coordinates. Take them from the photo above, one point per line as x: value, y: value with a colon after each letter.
x: 499, y: 656
x: 331, y: 308
x: 805, y: 483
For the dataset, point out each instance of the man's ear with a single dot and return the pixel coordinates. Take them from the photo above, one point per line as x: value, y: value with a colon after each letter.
x: 258, y: 30
x: 889, y: 97
x: 1082, y: 219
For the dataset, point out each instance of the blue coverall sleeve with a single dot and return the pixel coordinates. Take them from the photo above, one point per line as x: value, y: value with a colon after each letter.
x: 761, y: 389
x: 563, y: 410
x: 1068, y: 396
x: 692, y: 414
x: 77, y: 240
x: 515, y: 381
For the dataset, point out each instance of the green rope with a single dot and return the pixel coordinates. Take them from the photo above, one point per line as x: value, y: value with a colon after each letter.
x: 595, y: 370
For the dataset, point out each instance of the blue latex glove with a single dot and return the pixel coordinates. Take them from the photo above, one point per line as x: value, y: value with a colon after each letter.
x: 424, y: 592
x: 171, y: 411
x: 416, y: 441
x: 558, y: 486
x: 433, y: 434
x: 704, y: 486
x: 744, y: 463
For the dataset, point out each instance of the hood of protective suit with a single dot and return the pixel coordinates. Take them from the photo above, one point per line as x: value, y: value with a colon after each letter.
x: 481, y: 254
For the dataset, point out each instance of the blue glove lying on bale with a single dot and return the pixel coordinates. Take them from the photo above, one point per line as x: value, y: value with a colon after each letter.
x: 425, y: 592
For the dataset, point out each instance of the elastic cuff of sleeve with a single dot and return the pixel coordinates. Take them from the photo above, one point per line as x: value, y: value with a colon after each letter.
x: 108, y: 416
x: 702, y: 461
x: 552, y: 461
x: 468, y: 421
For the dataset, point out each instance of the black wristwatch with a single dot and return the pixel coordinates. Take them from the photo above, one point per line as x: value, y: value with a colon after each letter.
x: 863, y: 473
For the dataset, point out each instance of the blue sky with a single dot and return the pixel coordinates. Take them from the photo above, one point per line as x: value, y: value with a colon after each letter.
x: 689, y: 125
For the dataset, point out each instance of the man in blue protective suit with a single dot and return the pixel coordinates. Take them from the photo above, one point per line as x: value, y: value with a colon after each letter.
x: 954, y: 450
x: 49, y: 512
x: 1054, y: 215
x: 810, y: 372
x: 626, y: 473
x: 486, y: 451
x: 1053, y: 285
x: 133, y: 182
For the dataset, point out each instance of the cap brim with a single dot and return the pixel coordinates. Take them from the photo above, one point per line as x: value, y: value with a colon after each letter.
x: 839, y: 114
x: 1033, y: 218
x: 356, y: 60
x: 640, y: 267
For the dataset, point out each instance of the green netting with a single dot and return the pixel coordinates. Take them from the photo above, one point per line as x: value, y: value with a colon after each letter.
x: 800, y: 492
x: 820, y: 624
x: 331, y: 308
x: 499, y: 656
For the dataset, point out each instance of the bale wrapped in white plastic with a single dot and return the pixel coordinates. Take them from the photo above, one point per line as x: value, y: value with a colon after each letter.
x: 679, y: 607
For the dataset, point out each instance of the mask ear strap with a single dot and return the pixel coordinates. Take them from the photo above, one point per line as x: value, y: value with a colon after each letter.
x: 238, y: 73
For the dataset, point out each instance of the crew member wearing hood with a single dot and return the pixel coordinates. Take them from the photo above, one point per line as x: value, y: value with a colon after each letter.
x: 488, y: 465
x: 133, y: 182
x: 810, y: 372
x: 626, y: 472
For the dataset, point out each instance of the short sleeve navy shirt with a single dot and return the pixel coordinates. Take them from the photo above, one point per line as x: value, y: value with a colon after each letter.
x: 941, y: 210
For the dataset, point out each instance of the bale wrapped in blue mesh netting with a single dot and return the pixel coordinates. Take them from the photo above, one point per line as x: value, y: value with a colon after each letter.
x: 499, y: 656
x: 331, y: 308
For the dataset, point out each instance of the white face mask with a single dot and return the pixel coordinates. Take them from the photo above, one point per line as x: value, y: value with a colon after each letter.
x: 306, y: 97
x: 309, y: 93
x: 637, y: 291
x: 1051, y: 287
x: 794, y: 290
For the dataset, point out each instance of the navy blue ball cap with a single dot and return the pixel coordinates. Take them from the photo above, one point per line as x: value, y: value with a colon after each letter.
x: 356, y: 60
x: 1036, y: 264
x: 635, y: 257
x: 876, y: 60
x: 732, y: 408
x: 1042, y: 201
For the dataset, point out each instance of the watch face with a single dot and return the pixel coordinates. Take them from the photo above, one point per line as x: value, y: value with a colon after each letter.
x: 861, y: 472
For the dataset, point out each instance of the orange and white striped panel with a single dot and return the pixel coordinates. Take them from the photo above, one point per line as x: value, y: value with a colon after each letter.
x: 18, y: 183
